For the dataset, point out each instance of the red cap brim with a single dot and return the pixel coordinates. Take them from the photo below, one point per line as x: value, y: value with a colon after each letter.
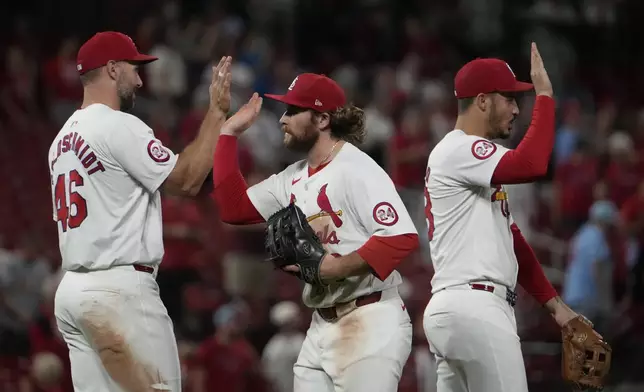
x: 143, y: 59
x: 280, y: 98
x: 520, y: 87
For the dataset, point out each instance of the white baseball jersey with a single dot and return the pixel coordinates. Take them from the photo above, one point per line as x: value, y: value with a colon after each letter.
x: 346, y: 203
x: 469, y: 219
x: 106, y: 167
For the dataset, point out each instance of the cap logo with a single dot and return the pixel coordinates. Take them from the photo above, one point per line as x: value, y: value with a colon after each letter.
x: 318, y: 103
x: 511, y: 71
x: 79, y: 67
x: 293, y: 83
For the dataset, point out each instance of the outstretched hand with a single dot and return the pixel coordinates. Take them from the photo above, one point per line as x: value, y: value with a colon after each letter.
x: 540, y: 79
x: 244, y: 118
x: 220, y: 85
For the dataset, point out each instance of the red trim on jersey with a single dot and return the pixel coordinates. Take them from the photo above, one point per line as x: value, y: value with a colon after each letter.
x: 529, y: 161
x: 235, y: 207
x: 313, y: 171
x: 531, y: 276
x: 383, y: 254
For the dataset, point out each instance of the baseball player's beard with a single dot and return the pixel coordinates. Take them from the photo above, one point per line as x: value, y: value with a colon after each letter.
x: 304, y: 142
x: 126, y: 96
x: 499, y: 129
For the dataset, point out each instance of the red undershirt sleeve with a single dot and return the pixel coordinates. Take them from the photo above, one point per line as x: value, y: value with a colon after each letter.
x: 229, y: 193
x: 531, y: 276
x: 383, y: 254
x: 529, y: 161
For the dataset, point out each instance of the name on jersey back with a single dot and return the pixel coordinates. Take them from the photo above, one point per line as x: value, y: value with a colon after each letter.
x: 73, y: 142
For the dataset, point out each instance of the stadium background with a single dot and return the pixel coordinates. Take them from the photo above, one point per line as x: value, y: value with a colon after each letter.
x: 396, y: 59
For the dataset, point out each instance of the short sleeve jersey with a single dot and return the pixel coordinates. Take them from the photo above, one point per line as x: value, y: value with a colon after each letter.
x: 106, y: 168
x: 468, y: 217
x: 346, y: 202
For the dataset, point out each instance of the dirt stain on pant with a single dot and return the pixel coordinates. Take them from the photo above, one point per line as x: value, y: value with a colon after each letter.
x: 350, y: 330
x: 99, y: 323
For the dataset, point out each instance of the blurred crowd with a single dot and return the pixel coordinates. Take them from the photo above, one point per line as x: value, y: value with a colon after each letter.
x: 239, y: 324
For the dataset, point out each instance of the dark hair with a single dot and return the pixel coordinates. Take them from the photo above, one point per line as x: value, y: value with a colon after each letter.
x: 90, y: 76
x: 464, y: 104
x: 348, y: 124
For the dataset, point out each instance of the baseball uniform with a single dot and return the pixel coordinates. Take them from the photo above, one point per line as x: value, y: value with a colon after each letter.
x: 351, y: 199
x: 469, y: 321
x: 106, y: 169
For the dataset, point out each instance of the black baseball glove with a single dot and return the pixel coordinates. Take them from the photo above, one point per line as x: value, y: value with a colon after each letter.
x: 290, y: 240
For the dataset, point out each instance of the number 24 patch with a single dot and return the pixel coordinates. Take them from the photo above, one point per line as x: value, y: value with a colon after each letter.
x: 385, y: 214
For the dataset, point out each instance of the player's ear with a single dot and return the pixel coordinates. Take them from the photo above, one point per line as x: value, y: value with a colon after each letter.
x: 482, y: 101
x: 111, y: 68
x: 323, y: 120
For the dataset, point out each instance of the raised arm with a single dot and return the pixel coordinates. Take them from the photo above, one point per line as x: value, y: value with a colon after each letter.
x: 230, y: 191
x: 195, y: 162
x: 529, y: 161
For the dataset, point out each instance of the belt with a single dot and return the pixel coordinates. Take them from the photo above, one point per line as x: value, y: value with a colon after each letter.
x: 335, y: 312
x: 143, y: 268
x: 510, y: 295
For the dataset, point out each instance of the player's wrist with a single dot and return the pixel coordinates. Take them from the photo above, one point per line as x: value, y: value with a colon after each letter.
x: 228, y: 132
x: 330, y: 268
x: 559, y: 311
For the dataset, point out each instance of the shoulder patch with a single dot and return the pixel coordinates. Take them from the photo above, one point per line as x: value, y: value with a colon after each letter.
x: 385, y: 214
x: 483, y: 149
x: 157, y: 152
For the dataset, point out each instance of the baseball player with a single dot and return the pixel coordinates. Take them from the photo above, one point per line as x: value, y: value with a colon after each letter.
x: 360, y: 334
x: 478, y: 252
x: 107, y: 170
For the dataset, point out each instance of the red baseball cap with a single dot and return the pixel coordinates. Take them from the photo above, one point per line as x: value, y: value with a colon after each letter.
x: 312, y: 91
x: 106, y: 46
x: 484, y: 76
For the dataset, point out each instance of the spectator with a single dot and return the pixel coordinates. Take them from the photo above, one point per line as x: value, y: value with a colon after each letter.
x: 633, y: 217
x: 47, y: 373
x: 378, y: 116
x: 407, y: 162
x: 282, y: 350
x: 183, y: 236
x: 625, y: 169
x: 60, y: 77
x: 166, y: 77
x: 574, y: 181
x: 226, y: 362
x: 588, y: 281
x: 20, y: 290
x: 569, y: 133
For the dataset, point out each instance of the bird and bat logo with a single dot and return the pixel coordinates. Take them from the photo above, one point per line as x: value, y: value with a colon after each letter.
x: 327, y: 220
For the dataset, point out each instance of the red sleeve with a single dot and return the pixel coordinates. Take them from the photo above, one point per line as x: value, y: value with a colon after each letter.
x: 529, y: 161
x: 230, y: 187
x: 531, y: 276
x: 383, y: 254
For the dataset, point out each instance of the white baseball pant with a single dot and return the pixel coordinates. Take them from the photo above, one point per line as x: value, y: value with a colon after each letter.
x: 118, y: 313
x: 363, y: 351
x: 473, y: 335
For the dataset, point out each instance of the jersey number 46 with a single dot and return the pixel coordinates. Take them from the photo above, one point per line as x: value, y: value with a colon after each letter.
x: 70, y: 207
